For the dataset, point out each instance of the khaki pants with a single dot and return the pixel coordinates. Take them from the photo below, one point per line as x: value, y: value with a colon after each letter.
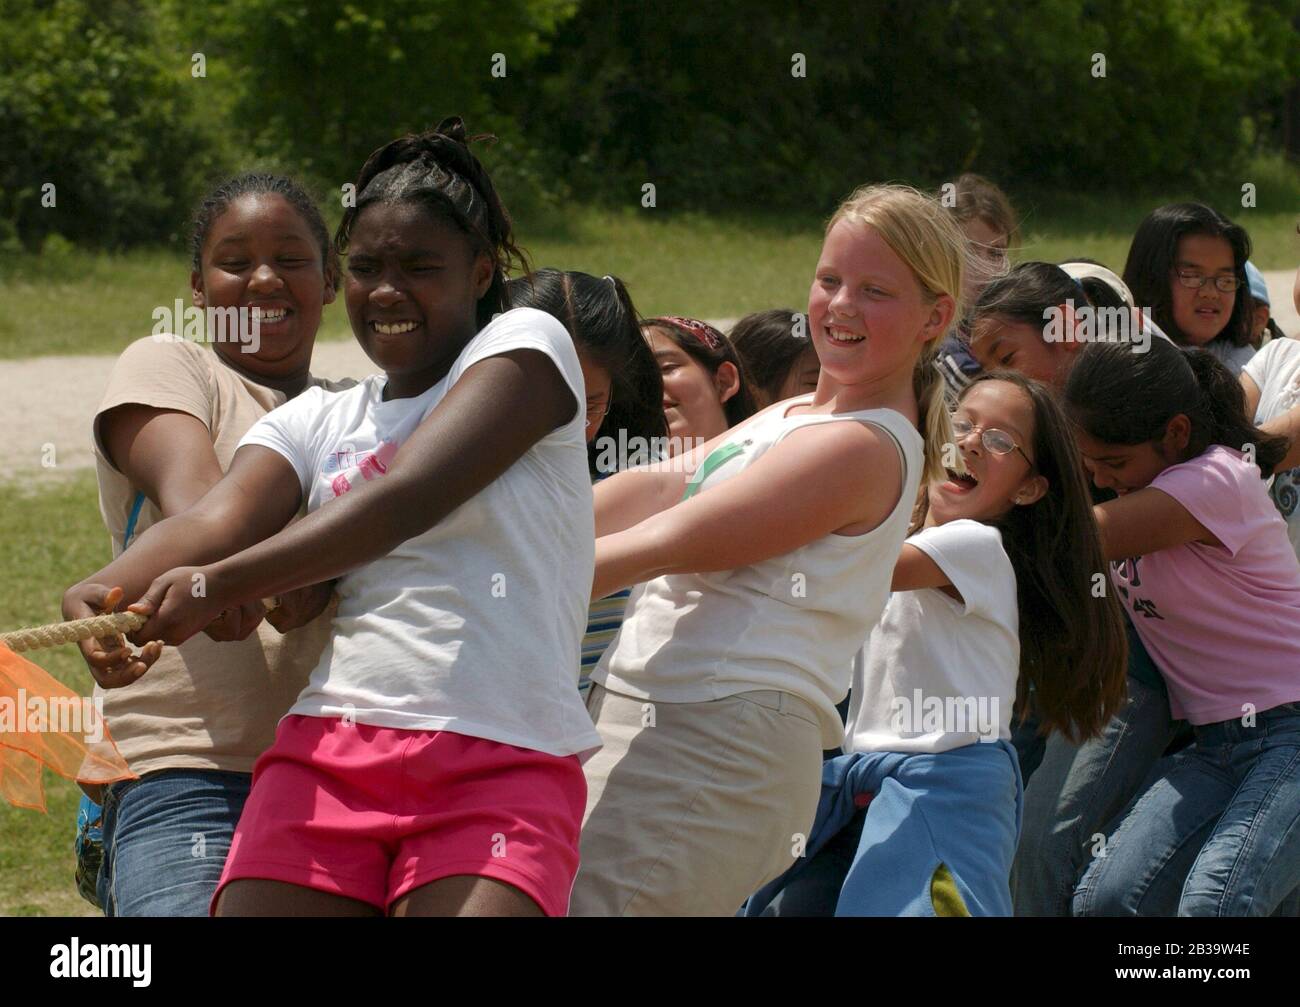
x: 690, y: 812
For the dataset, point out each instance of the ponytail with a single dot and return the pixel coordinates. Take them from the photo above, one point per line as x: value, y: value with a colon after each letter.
x: 1120, y: 396
x: 1223, y: 403
x: 932, y: 409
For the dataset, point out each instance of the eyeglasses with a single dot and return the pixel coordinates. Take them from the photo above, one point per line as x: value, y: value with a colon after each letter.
x: 997, y: 442
x: 1196, y: 281
x: 596, y: 411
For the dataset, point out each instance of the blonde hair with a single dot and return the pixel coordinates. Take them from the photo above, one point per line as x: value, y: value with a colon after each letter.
x: 928, y: 240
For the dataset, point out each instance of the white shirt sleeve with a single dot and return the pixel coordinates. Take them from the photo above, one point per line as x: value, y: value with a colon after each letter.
x: 971, y: 556
x: 525, y: 329
x: 288, y: 431
x: 1257, y: 367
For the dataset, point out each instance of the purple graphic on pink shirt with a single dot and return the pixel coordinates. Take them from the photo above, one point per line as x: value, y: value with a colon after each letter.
x: 370, y: 465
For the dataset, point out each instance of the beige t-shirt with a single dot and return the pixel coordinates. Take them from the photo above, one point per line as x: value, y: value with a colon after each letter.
x: 203, y: 705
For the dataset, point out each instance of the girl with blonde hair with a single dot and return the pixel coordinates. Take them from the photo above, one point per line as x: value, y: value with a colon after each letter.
x: 762, y: 560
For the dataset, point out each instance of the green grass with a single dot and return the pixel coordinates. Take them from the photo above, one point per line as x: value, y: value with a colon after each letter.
x: 50, y: 538
x: 712, y: 266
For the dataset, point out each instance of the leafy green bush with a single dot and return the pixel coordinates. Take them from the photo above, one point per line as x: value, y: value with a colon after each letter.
x: 91, y: 103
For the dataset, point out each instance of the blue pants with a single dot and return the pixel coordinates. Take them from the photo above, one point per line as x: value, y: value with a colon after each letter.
x: 1077, y: 791
x: 937, y: 838
x: 1217, y: 833
x: 166, y: 836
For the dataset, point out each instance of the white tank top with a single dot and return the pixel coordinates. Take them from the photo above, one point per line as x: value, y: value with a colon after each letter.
x: 791, y: 623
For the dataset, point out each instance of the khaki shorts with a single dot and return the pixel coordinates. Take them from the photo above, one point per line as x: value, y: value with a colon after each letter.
x: 691, y: 807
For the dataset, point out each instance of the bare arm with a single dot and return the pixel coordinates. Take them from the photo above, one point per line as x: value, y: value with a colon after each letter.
x: 168, y: 455
x: 838, y: 477
x: 1285, y: 425
x: 1147, y: 521
x: 257, y: 497
x: 632, y: 496
x: 165, y: 453
x: 465, y: 443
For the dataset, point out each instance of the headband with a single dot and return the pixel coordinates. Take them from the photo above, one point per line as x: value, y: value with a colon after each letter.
x: 701, y: 331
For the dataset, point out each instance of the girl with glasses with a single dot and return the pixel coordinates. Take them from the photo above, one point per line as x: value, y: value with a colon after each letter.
x: 1187, y: 264
x: 992, y: 594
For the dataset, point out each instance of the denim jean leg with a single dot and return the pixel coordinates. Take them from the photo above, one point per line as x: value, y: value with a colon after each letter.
x: 1077, y: 791
x: 1145, y: 859
x: 167, y: 841
x: 1250, y: 863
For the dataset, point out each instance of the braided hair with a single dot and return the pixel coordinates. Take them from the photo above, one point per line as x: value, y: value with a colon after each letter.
x: 436, y: 170
x: 253, y: 183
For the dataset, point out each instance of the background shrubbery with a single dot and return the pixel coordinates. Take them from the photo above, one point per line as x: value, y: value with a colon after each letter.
x: 600, y: 97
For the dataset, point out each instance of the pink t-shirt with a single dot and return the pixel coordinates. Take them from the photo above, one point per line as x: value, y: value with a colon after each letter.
x: 1221, y: 622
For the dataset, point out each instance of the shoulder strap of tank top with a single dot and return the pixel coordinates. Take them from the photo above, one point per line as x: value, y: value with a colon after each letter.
x: 717, y: 457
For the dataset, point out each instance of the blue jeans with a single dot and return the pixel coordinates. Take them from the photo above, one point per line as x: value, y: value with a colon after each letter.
x: 1076, y: 792
x: 1216, y: 834
x: 166, y: 836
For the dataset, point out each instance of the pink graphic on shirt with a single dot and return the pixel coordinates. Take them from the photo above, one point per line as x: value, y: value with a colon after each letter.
x: 370, y: 465
x: 375, y: 463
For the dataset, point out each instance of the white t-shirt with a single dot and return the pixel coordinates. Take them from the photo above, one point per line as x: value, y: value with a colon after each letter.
x: 475, y: 626
x: 937, y: 673
x: 1276, y: 370
x: 790, y: 623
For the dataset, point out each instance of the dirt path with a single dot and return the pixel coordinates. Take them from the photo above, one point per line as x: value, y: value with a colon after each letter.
x: 47, y: 403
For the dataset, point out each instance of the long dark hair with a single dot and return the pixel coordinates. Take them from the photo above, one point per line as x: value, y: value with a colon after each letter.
x: 1149, y: 271
x: 1073, y: 645
x: 599, y: 315
x: 767, y: 345
x: 437, y: 170
x: 1024, y: 294
x: 1122, y: 397
x: 711, y: 351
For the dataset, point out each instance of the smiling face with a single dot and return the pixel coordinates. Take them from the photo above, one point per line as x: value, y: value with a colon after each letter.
x: 1128, y: 467
x: 868, y: 316
x: 260, y: 253
x: 993, y: 483
x: 412, y: 289
x: 1202, y: 314
x: 1003, y: 344
x: 693, y: 398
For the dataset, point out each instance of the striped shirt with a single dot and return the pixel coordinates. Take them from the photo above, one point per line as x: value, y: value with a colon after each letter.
x: 603, y: 620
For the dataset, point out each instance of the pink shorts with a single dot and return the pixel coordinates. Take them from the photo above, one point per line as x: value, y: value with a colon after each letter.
x: 372, y: 813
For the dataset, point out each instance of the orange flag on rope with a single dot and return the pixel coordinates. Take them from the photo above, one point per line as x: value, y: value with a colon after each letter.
x: 44, y: 723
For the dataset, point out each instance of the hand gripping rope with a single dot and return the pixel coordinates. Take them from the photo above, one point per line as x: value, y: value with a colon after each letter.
x: 107, y: 625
